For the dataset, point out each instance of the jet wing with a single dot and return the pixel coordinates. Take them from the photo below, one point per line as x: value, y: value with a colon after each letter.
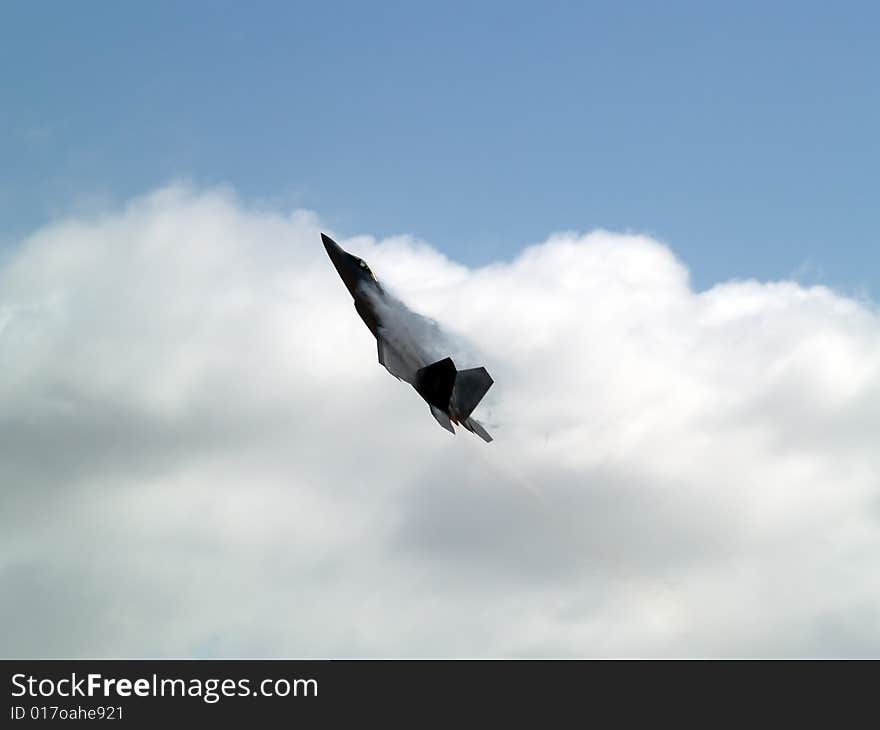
x: 389, y: 358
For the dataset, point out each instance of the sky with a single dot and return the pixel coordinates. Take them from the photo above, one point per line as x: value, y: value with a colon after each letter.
x: 201, y: 456
x: 743, y: 136
x: 653, y: 227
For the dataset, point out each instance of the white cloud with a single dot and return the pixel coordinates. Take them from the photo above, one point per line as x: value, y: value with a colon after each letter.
x: 200, y: 455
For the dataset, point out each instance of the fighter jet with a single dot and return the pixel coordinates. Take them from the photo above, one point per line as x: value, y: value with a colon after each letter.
x: 407, y: 347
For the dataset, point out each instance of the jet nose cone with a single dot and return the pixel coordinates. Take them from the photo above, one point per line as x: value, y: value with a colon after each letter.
x: 332, y: 247
x: 342, y: 261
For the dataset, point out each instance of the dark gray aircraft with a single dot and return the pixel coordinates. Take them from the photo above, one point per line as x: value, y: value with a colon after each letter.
x: 407, y: 347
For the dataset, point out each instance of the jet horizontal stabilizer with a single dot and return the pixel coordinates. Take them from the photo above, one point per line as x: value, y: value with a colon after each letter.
x: 474, y: 426
x: 442, y: 418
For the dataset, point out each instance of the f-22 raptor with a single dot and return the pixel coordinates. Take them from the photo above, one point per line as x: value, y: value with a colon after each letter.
x: 405, y: 347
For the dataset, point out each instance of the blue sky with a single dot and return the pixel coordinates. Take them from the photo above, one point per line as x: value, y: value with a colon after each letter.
x: 744, y: 136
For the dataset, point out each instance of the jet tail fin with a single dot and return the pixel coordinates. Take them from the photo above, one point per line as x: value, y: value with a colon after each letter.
x: 453, y: 394
x: 470, y: 387
x: 436, y: 381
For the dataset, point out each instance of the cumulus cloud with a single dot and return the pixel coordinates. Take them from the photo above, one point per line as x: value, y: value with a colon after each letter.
x: 200, y: 455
